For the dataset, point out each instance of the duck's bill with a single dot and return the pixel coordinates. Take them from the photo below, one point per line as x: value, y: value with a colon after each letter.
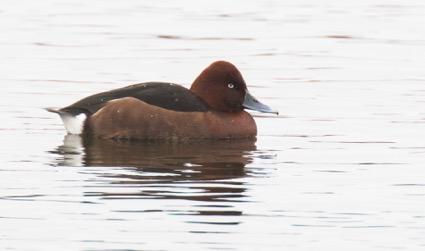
x: 252, y: 103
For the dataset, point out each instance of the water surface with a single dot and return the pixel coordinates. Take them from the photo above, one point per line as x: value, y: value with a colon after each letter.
x: 341, y: 167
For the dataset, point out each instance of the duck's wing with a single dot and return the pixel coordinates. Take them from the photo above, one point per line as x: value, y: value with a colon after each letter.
x: 165, y: 95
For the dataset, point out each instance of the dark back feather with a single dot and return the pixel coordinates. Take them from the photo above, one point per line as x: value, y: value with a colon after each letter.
x: 165, y: 95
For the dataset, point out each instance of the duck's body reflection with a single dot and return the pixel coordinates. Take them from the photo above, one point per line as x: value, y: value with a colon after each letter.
x: 206, y: 171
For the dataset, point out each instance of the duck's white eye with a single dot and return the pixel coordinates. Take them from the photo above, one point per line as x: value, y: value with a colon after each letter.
x: 230, y: 85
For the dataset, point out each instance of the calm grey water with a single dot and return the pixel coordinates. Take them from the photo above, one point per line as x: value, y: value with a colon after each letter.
x: 341, y: 167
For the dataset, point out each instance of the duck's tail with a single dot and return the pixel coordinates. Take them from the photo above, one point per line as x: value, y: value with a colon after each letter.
x: 54, y: 110
x: 74, y: 123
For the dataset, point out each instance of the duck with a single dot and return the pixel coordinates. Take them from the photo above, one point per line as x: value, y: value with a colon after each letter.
x: 213, y: 108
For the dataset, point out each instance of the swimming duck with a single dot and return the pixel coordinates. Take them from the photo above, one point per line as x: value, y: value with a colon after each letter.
x: 213, y: 108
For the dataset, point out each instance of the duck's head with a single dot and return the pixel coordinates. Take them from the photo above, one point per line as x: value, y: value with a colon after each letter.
x: 223, y: 88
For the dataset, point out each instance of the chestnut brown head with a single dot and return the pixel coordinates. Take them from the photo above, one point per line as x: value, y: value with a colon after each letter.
x: 223, y: 88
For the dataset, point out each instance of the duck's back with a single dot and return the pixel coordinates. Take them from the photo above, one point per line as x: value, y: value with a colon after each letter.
x: 165, y: 95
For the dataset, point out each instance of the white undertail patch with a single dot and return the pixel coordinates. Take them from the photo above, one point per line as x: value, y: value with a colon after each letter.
x: 74, y: 124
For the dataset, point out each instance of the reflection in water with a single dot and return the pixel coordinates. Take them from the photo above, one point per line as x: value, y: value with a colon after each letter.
x: 206, y: 171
